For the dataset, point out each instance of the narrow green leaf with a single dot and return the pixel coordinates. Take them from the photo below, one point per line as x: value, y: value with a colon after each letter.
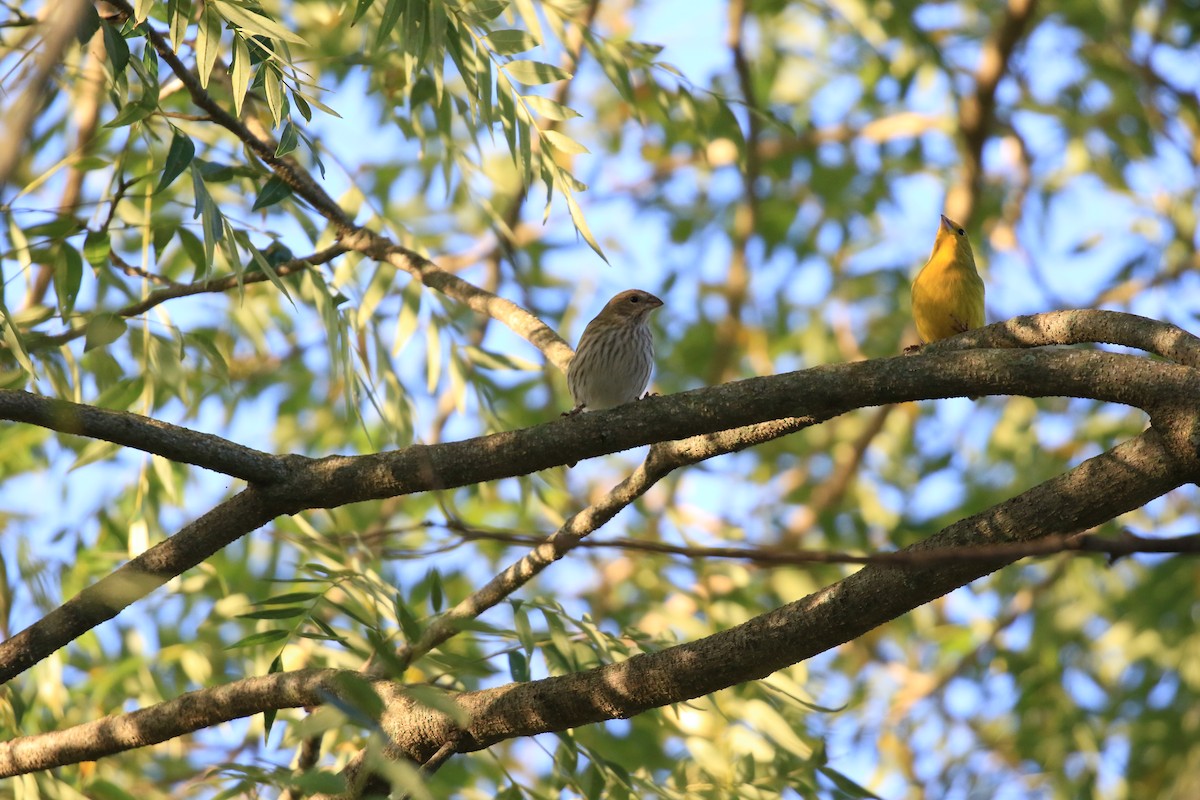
x: 89, y: 23
x: 210, y: 218
x: 15, y: 344
x: 122, y: 394
x: 93, y: 452
x: 525, y: 160
x: 263, y: 637
x: 289, y: 598
x: 391, y: 15
x: 273, y: 84
x: 269, y: 714
x: 302, y: 105
x: 104, y: 329
x: 131, y: 113
x: 408, y: 623
x: 96, y: 247
x: 533, y: 73
x: 272, y: 192
x: 256, y: 23
x: 194, y: 249
x: 117, y: 47
x: 240, y: 76
x: 266, y: 266
x: 549, y: 109
x: 142, y: 10
x: 68, y: 275
x: 208, y: 43
x: 563, y: 143
x: 510, y: 41
x: 178, y: 16
x: 275, y: 613
x: 179, y: 156
x: 482, y: 12
x: 287, y: 141
x: 581, y: 224
x: 361, y: 8
x: 518, y: 666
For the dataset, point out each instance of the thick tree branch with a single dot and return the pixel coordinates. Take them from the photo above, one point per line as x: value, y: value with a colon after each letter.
x: 1124, y: 544
x: 663, y: 458
x: 1166, y: 391
x: 1101, y: 488
x: 1098, y: 490
x: 173, y: 442
x: 185, y: 714
x: 103, y: 600
x: 1081, y: 326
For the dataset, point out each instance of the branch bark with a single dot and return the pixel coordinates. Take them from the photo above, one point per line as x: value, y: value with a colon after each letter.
x: 1125, y: 478
x: 1164, y: 390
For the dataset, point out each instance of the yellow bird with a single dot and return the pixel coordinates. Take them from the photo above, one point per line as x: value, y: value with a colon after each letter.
x: 947, y: 294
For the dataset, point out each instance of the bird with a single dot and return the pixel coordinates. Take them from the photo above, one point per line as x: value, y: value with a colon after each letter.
x: 615, y: 357
x: 947, y: 294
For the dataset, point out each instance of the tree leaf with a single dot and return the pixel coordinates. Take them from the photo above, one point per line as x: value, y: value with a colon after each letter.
x: 240, y: 72
x: 179, y: 156
x: 361, y: 8
x: 255, y: 23
x: 510, y: 41
x: 129, y: 114
x: 68, y: 276
x: 208, y: 43
x: 287, y: 140
x: 533, y: 73
x: 563, y: 143
x: 104, y: 329
x: 272, y: 192
x: 117, y: 47
x: 96, y: 247
x: 262, y: 637
x: 548, y: 108
x: 581, y: 224
x: 273, y: 84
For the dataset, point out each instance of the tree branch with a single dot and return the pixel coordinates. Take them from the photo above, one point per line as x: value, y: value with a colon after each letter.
x: 212, y: 286
x: 663, y: 458
x: 173, y: 442
x: 103, y: 600
x: 1124, y: 544
x: 184, y: 714
x: 718, y: 413
x: 369, y: 243
x: 1099, y: 489
x: 977, y: 110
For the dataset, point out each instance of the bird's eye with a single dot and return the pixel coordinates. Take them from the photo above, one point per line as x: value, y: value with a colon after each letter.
x: 962, y: 232
x: 635, y: 299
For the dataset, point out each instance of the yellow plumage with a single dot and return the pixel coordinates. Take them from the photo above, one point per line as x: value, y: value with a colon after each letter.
x: 947, y: 294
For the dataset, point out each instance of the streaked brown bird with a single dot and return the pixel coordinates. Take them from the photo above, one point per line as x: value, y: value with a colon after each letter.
x: 615, y: 357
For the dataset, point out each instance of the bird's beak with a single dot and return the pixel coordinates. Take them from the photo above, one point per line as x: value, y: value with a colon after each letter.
x: 947, y: 224
x: 654, y: 301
